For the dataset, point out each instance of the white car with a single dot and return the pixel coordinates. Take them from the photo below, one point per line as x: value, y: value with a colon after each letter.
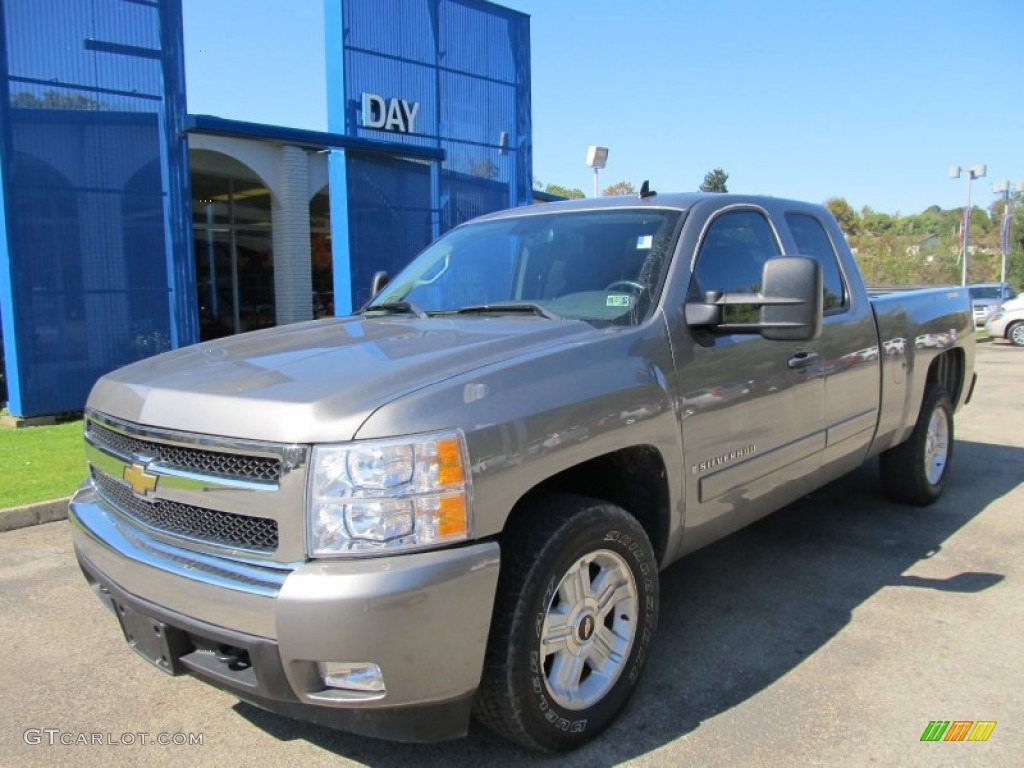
x: 985, y: 297
x: 1007, y: 322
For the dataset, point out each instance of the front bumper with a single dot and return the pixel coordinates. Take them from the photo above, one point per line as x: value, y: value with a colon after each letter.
x: 996, y: 327
x: 259, y: 629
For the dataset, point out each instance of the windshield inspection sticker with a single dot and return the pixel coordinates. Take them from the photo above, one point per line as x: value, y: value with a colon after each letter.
x: 644, y: 242
x: 617, y: 300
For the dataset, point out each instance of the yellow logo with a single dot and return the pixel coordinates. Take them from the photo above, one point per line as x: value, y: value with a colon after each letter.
x: 139, y: 479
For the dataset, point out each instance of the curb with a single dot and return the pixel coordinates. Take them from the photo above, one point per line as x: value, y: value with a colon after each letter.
x: 34, y: 514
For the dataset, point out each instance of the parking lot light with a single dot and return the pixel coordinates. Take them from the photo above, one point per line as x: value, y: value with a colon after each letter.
x: 974, y: 172
x: 597, y: 158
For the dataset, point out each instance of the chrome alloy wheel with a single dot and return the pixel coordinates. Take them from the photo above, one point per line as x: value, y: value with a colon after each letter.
x: 936, y: 451
x: 589, y: 629
x: 1016, y: 334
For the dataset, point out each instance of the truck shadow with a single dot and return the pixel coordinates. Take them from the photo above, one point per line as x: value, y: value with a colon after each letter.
x: 743, y: 612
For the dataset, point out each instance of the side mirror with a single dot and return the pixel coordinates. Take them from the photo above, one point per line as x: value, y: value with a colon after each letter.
x: 791, y: 303
x: 379, y: 282
x: 793, y: 299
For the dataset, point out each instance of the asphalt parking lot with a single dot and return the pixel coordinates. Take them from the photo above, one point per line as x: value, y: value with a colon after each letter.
x: 829, y: 634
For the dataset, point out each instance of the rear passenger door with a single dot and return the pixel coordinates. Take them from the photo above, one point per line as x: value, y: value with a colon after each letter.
x: 849, y: 348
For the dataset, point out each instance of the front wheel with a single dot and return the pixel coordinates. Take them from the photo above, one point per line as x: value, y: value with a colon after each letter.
x: 576, y: 609
x: 915, y: 471
x: 1015, y: 333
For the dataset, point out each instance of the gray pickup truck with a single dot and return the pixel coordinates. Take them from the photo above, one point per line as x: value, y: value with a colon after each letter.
x: 458, y: 500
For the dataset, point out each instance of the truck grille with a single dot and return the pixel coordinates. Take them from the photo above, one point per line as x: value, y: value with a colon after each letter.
x: 209, y: 525
x: 199, y: 460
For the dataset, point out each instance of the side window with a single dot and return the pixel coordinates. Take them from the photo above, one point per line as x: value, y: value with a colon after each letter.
x: 812, y: 240
x: 731, y: 259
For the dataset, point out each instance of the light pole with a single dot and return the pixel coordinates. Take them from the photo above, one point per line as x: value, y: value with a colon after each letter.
x: 1004, y: 233
x: 974, y: 172
x: 597, y: 158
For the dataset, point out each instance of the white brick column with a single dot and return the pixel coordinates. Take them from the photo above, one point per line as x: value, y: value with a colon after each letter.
x: 293, y: 275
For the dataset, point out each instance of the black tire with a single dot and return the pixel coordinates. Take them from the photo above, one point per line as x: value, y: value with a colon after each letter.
x: 560, y: 536
x: 1015, y: 334
x: 915, y: 471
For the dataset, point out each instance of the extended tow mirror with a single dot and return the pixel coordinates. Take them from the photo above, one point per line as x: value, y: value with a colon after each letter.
x: 791, y: 303
x: 794, y: 299
x: 379, y: 282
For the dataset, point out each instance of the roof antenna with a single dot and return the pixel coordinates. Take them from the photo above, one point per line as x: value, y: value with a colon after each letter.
x: 646, y: 191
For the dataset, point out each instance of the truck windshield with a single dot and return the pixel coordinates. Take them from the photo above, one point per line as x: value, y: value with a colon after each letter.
x: 603, y: 266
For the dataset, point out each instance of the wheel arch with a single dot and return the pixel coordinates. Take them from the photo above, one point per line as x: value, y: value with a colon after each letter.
x: 948, y: 370
x: 634, y: 478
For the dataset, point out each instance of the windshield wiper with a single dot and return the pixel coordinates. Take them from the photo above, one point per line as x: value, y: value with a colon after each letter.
x: 396, y: 308
x: 510, y: 307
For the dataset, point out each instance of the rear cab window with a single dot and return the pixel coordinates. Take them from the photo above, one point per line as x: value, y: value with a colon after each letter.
x: 812, y: 240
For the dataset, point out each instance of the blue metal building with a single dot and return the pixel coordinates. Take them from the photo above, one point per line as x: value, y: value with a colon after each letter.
x: 128, y: 227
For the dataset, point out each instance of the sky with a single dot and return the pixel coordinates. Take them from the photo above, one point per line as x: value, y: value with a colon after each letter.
x: 871, y: 101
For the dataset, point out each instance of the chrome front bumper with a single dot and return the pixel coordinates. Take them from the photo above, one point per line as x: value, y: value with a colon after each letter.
x: 422, y: 618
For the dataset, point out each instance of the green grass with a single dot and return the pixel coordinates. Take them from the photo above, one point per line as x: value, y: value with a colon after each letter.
x: 40, y: 463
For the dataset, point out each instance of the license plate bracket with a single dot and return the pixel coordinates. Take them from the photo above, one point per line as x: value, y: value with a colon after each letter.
x: 159, y: 644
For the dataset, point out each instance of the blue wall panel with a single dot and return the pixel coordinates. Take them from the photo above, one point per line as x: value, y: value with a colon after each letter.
x: 95, y: 192
x: 467, y: 64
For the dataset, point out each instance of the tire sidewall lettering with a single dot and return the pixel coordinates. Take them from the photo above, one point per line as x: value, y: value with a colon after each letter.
x: 550, y: 712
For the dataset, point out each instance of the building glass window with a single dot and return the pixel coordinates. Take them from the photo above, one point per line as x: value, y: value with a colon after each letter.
x: 322, y: 261
x: 233, y: 245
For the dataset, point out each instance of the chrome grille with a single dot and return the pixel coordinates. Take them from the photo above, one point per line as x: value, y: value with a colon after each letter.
x: 209, y: 525
x: 200, y: 460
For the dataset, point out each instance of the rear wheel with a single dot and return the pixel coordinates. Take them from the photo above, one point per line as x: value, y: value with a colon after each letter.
x: 914, y: 472
x: 1015, y: 333
x: 577, y: 607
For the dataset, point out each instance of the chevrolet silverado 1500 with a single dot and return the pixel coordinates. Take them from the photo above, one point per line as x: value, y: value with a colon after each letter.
x: 458, y: 500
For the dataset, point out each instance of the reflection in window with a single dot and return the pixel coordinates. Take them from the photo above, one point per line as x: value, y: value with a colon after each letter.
x: 731, y: 260
x: 812, y: 240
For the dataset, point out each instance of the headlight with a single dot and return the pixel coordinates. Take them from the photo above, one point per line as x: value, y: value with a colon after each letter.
x: 381, y: 496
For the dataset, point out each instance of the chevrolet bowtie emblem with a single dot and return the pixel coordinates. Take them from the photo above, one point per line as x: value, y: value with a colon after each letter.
x: 139, y: 479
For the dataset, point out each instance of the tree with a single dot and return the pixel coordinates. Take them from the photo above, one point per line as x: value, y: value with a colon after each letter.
x: 715, y: 181
x: 876, y: 223
x: 845, y: 215
x: 572, y: 194
x: 484, y: 168
x: 619, y: 188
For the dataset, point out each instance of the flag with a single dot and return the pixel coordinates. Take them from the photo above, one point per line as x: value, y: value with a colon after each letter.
x: 1004, y: 233
x: 965, y: 225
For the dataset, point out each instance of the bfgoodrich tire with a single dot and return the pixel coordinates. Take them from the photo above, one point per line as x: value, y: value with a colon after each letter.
x: 576, y: 610
x: 915, y: 471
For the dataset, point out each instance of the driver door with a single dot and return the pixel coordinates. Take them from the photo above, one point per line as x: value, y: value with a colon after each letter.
x: 751, y: 410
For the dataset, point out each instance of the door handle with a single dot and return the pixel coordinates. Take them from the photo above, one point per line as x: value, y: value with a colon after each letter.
x: 802, y: 359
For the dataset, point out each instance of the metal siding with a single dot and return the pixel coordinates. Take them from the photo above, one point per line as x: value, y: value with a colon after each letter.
x: 390, y: 78
x: 87, y: 154
x: 390, y: 215
x: 401, y: 28
x: 467, y: 64
x: 480, y: 39
x: 337, y: 160
x: 476, y: 110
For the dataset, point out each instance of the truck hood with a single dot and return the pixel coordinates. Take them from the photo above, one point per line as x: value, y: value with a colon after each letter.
x: 317, y: 381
